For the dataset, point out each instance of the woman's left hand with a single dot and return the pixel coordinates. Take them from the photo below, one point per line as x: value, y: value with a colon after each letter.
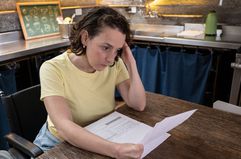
x: 127, y: 55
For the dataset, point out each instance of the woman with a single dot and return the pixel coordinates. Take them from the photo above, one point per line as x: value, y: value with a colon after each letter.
x: 78, y: 86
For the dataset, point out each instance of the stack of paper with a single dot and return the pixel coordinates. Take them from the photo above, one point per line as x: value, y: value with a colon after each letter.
x: 119, y: 128
x: 192, y: 30
x: 190, y: 33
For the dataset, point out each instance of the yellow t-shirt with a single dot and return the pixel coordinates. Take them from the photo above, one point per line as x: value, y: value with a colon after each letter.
x: 89, y: 95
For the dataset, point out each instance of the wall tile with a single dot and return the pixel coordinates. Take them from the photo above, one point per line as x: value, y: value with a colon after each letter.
x: 9, y: 22
x: 229, y: 13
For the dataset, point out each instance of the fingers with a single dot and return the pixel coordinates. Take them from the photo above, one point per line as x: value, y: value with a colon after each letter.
x: 126, y: 46
x: 127, y: 54
x: 133, y: 151
x: 140, y: 149
x: 136, y: 151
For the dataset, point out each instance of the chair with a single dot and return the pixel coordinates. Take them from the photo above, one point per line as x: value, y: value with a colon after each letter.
x: 235, y: 94
x: 220, y: 105
x: 26, y: 115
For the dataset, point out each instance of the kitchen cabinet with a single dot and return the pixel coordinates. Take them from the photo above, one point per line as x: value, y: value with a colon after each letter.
x: 200, y: 75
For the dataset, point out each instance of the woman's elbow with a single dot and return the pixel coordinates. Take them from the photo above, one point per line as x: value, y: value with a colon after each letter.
x: 137, y: 103
x: 140, y: 106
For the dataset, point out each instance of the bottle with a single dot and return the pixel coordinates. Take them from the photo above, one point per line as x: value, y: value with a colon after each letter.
x: 211, y: 24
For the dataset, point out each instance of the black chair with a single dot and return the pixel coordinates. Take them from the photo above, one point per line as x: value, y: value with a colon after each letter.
x: 26, y: 115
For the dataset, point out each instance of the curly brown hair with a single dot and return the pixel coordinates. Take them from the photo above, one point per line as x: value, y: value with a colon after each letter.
x: 93, y: 22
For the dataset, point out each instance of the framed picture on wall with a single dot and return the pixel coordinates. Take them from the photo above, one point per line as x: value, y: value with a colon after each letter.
x: 38, y: 19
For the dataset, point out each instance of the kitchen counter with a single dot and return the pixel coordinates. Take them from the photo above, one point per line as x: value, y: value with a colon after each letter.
x: 167, y: 34
x: 219, y: 43
x: 20, y: 48
x: 190, y: 42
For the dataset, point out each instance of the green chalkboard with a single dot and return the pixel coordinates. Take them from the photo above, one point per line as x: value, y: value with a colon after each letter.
x: 38, y: 19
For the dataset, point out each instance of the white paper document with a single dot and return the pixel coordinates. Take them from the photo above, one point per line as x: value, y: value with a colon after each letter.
x: 119, y: 128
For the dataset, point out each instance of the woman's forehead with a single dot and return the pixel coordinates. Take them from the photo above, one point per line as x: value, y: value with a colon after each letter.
x: 112, y: 36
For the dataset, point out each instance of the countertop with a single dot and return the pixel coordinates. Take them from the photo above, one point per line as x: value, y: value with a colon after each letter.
x: 168, y: 34
x: 209, y: 42
x: 19, y: 48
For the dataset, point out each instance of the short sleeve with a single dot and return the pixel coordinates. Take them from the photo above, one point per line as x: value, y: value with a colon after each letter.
x: 122, y: 73
x: 51, y: 80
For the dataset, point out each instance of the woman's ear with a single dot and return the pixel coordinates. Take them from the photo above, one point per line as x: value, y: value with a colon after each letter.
x: 84, y: 37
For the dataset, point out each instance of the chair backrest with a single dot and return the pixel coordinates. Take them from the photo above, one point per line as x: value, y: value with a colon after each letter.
x: 26, y: 113
x: 220, y: 105
x: 235, y: 93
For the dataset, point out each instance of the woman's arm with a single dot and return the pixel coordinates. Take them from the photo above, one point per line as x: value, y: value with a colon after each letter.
x: 61, y: 117
x: 132, y: 90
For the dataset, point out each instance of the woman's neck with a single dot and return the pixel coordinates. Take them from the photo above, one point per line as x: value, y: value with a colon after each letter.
x: 81, y: 62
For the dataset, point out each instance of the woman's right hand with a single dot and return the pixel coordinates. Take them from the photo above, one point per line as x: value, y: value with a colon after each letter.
x: 129, y: 151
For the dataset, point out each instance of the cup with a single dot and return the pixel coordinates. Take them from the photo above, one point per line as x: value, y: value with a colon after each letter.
x: 65, y: 30
x: 219, y: 32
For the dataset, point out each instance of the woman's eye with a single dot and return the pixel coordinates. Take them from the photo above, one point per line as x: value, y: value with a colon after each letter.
x: 119, y: 51
x: 105, y: 48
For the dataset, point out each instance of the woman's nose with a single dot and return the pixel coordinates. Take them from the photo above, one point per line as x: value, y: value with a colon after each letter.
x: 110, y: 61
x: 111, y: 58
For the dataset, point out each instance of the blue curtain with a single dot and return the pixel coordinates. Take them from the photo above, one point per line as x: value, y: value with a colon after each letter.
x: 8, y: 86
x: 147, y: 60
x: 174, y: 71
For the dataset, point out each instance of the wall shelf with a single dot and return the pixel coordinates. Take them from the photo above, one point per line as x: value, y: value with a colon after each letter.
x: 84, y: 6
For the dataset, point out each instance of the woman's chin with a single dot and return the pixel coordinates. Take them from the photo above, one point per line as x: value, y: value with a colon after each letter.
x: 100, y: 67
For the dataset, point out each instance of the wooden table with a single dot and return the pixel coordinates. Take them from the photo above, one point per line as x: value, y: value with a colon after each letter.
x: 207, y: 134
